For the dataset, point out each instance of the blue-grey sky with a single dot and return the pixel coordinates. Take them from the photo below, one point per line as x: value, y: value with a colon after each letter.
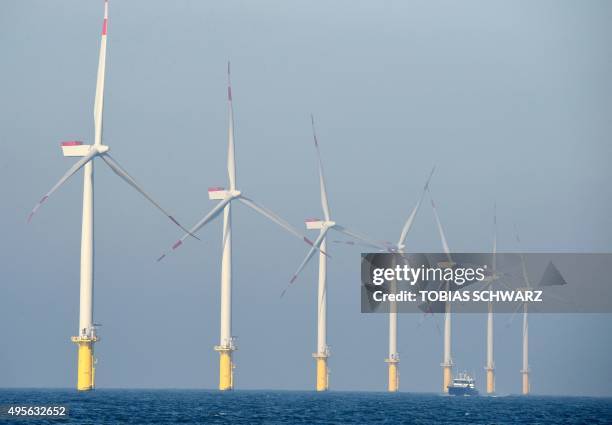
x: 510, y: 99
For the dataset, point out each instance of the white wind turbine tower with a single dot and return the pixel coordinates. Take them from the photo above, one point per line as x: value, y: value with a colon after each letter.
x: 87, y: 329
x: 393, y: 359
x: 447, y: 363
x: 490, y: 366
x: 226, y: 197
x: 322, y: 383
x: 526, y: 387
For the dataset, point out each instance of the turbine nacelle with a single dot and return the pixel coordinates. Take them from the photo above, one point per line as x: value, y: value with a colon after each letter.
x: 77, y: 148
x: 220, y: 193
x: 318, y: 224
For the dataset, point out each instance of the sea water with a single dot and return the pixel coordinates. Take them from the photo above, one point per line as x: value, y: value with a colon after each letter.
x: 105, y: 406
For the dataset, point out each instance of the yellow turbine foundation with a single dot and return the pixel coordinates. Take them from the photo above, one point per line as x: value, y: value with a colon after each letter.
x: 448, y: 376
x: 393, y: 376
x: 322, y: 374
x: 490, y: 381
x: 226, y: 370
x: 86, y: 367
x: 525, y: 383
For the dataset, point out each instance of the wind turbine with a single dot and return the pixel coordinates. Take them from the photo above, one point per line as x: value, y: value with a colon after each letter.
x: 87, y: 335
x: 550, y: 277
x: 490, y: 366
x: 320, y: 244
x: 226, y: 197
x: 399, y: 247
x: 526, y: 387
x: 447, y: 363
x: 393, y: 359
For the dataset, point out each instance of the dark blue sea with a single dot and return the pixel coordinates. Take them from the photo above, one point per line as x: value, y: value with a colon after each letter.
x: 296, y: 407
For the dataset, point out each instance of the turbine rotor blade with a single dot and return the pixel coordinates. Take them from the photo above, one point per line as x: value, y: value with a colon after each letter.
x: 408, y: 224
x: 360, y: 238
x: 511, y: 319
x: 323, y: 188
x: 117, y: 169
x: 231, y: 159
x: 494, y: 237
x: 275, y: 218
x: 76, y: 167
x: 523, y: 265
x: 426, y: 187
x: 315, y: 246
x: 99, y: 99
x: 360, y: 244
x: 212, y: 214
x: 440, y: 229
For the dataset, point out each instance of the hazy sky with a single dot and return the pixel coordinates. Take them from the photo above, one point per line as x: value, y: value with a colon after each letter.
x: 511, y: 101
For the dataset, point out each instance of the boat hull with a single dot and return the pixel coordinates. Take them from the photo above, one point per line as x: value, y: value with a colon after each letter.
x: 462, y: 391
